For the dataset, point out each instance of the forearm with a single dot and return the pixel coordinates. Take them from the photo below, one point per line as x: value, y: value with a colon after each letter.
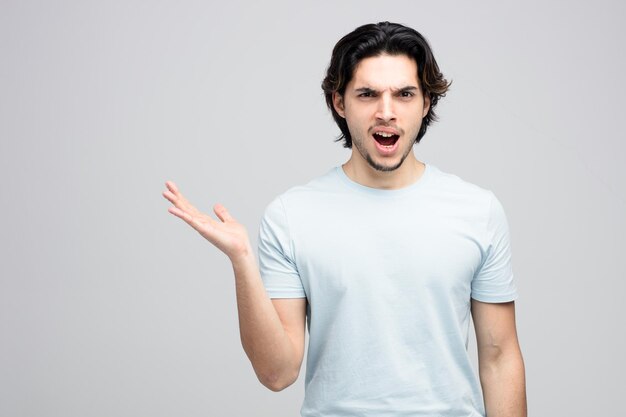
x: 263, y: 336
x: 503, y: 382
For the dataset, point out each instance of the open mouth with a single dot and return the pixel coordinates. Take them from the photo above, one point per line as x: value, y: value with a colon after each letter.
x: 386, y: 140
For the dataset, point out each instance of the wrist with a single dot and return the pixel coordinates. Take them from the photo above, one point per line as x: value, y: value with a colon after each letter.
x: 243, y: 260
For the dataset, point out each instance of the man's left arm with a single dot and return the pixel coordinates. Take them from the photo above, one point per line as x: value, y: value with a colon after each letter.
x: 500, y: 362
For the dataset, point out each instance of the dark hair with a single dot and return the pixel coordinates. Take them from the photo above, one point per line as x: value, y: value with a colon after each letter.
x: 373, y: 40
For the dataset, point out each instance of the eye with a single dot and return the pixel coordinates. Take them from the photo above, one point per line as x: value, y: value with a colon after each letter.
x: 366, y: 94
x: 406, y: 94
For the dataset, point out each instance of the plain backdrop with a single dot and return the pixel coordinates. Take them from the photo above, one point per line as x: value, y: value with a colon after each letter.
x: 111, y: 306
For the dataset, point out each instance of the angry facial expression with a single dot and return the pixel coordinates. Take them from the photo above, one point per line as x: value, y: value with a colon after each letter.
x: 383, y: 106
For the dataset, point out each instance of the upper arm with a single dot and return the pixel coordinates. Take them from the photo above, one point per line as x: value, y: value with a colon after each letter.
x: 292, y: 314
x: 495, y: 328
x: 493, y: 280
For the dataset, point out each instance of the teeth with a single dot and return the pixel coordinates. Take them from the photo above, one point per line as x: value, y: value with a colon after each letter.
x: 384, y: 134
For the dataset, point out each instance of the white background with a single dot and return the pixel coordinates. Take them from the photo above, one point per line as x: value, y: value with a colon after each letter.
x: 109, y: 305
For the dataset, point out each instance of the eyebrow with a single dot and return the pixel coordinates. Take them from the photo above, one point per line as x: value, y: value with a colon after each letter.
x: 371, y: 90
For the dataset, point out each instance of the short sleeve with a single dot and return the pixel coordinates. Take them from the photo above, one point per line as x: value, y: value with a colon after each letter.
x: 276, y: 263
x: 493, y: 281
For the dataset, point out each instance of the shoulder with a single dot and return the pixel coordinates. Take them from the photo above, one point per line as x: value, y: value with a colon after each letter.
x: 480, y: 203
x: 456, y: 182
x: 461, y: 191
x: 305, y: 196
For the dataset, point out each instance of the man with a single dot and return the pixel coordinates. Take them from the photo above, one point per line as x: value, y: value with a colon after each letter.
x: 382, y: 259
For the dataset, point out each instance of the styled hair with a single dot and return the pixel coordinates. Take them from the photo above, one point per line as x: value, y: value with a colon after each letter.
x: 372, y: 40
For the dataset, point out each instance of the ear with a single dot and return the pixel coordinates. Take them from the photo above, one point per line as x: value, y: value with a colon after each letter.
x: 338, y: 104
x: 426, y: 105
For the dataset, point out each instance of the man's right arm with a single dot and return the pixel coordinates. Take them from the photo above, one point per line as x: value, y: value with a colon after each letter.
x: 272, y: 330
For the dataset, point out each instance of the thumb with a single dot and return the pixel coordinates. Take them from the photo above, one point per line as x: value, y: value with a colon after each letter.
x: 222, y: 213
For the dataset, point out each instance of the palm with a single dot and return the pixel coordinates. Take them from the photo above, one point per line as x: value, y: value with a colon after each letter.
x: 227, y: 234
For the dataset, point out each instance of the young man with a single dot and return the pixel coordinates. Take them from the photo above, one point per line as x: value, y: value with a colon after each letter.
x: 382, y: 258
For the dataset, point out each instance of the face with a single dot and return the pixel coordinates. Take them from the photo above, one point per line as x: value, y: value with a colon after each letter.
x: 382, y: 99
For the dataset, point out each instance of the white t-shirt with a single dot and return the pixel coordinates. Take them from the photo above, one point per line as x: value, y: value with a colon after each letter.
x: 388, y: 275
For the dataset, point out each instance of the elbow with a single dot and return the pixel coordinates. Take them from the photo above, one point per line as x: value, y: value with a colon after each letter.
x: 499, y: 351
x: 497, y: 359
x: 276, y: 387
x: 278, y: 383
x: 491, y: 354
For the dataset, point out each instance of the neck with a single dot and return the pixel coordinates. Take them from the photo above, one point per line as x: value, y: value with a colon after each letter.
x: 406, y: 174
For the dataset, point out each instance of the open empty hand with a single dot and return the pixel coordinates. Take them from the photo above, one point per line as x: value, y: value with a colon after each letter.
x: 226, y: 234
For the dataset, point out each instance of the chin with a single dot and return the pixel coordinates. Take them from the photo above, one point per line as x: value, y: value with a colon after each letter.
x: 385, y: 167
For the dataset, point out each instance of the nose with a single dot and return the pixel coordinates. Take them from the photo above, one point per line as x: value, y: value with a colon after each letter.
x: 385, y: 109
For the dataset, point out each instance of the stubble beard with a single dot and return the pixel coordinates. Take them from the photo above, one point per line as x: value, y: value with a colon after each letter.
x: 375, y: 165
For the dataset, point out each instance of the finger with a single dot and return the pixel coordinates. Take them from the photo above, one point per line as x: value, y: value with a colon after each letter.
x: 188, y: 218
x: 181, y: 214
x: 171, y: 197
x: 172, y: 187
x: 179, y: 202
x: 176, y: 198
x: 222, y: 213
x: 198, y: 222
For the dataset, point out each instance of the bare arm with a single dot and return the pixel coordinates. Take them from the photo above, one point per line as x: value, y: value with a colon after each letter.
x: 272, y: 333
x: 500, y: 362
